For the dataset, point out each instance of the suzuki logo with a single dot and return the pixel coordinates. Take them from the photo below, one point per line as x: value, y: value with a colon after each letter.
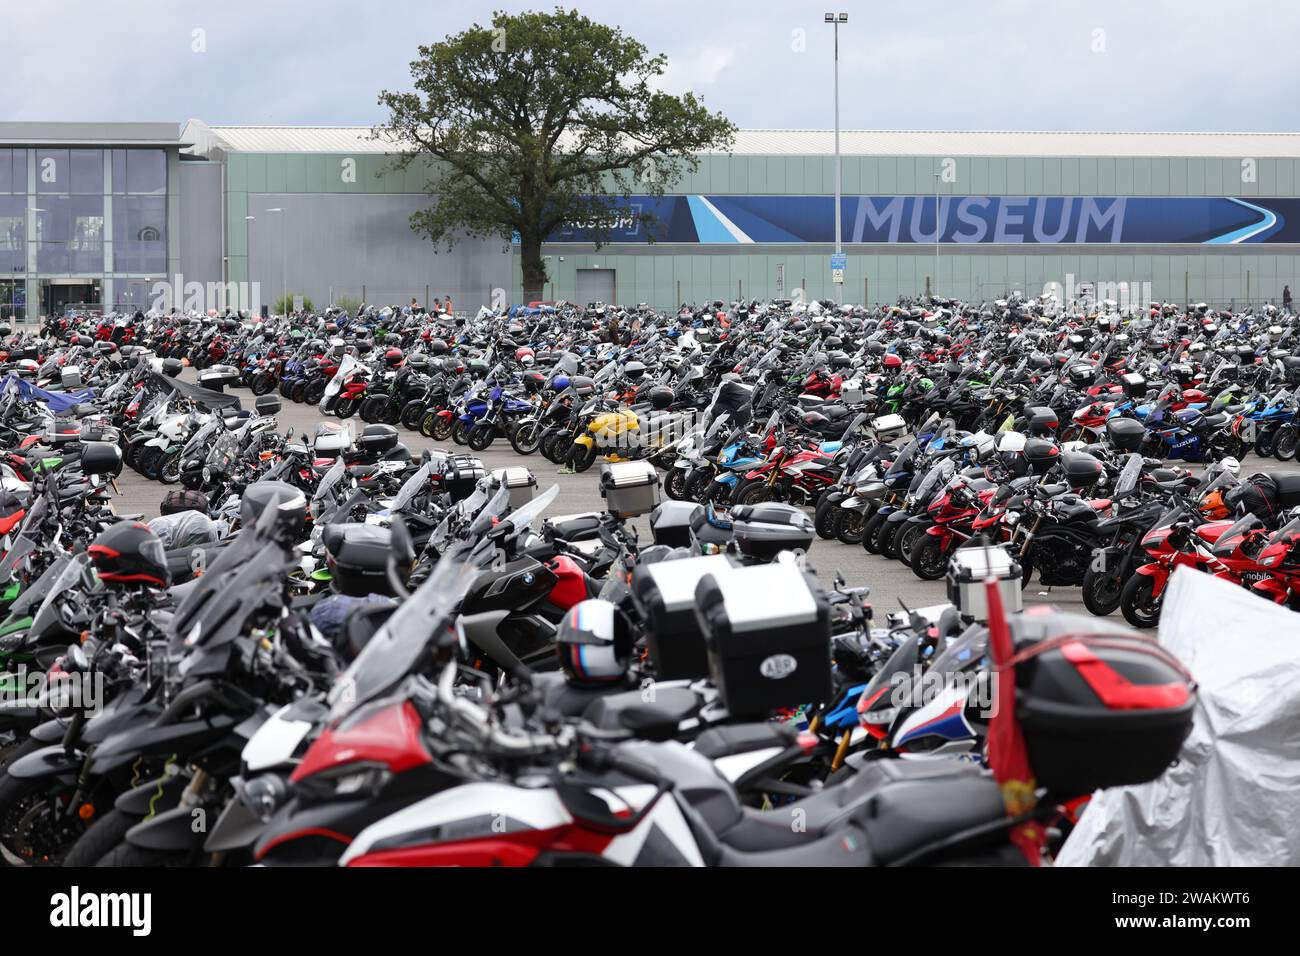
x: 778, y: 666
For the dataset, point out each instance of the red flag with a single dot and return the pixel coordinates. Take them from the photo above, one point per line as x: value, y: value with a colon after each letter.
x: 1006, y: 744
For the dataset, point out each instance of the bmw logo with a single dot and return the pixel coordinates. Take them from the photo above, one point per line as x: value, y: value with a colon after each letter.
x: 529, y: 577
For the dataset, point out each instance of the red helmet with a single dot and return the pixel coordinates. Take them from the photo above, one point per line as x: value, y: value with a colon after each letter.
x: 893, y: 361
x: 393, y: 358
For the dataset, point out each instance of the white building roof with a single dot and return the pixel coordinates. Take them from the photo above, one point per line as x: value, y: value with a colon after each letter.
x: 812, y: 142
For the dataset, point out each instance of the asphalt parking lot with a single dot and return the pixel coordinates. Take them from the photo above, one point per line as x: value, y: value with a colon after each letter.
x: 889, y: 580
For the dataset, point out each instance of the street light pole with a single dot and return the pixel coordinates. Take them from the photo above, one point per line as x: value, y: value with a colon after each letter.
x: 835, y: 19
x: 938, y: 177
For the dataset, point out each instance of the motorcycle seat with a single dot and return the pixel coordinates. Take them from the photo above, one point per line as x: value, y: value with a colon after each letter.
x: 1217, y: 420
x: 1098, y: 504
x: 834, y: 411
x: 730, y: 740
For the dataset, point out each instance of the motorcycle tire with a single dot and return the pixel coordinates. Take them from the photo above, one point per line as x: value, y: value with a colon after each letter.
x: 169, y: 471
x: 824, y: 519
x: 102, y: 836
x: 886, y: 540
x: 372, y: 409
x: 460, y: 432
x: 581, y: 457
x: 345, y: 407
x: 410, y: 415
x: 19, y: 799
x: 480, y: 437
x: 1264, y: 443
x: 442, y: 428
x: 754, y: 493
x: 554, y: 446
x: 907, y: 542
x: 1102, y: 590
x: 929, y: 558
x: 149, y: 462
x: 870, y: 532
x: 298, y: 392
x: 848, y: 523
x: 1137, y: 604
x: 312, y: 392
x: 263, y: 384
x: 526, y: 438
x: 1288, y: 440
x: 675, y: 483
x: 697, y: 485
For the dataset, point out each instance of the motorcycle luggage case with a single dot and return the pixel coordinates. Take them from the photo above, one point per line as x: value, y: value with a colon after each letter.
x: 101, y: 458
x: 1111, y: 709
x: 670, y: 523
x: 888, y: 427
x: 970, y: 567
x: 172, y: 367
x: 519, y: 480
x: 630, y: 488
x: 1041, y: 420
x: 182, y: 499
x: 213, y: 379
x: 1125, y: 434
x: 1134, y: 385
x: 768, y: 636
x: 665, y: 594
x: 378, y: 439
x: 70, y: 376
x: 1081, y: 469
x: 1041, y: 454
x: 462, y: 476
x: 764, y: 530
x: 357, y: 555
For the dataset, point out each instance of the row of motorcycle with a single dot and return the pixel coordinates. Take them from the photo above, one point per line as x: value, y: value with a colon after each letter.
x: 334, y: 650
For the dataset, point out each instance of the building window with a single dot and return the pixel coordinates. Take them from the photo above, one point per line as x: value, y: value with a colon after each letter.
x: 13, y: 171
x: 140, y: 172
x: 70, y: 234
x: 13, y: 234
x: 139, y: 234
x: 86, y: 172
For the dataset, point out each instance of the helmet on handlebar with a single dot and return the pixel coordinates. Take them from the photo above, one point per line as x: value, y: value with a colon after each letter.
x: 594, y: 642
x: 129, y: 553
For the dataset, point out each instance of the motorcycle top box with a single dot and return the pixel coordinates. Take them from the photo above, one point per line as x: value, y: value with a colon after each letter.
x: 1081, y: 469
x: 768, y: 636
x: 1041, y: 420
x: 630, y: 488
x: 1125, y: 434
x: 670, y: 523
x: 888, y: 427
x: 521, y: 483
x: 970, y: 567
x: 1107, y: 708
x: 357, y: 555
x: 462, y: 476
x: 666, y: 593
x: 764, y: 530
x: 1134, y: 385
x: 377, y: 439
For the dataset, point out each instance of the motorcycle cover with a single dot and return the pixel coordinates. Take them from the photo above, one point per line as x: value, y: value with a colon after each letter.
x: 204, y: 397
x: 57, y: 402
x: 1234, y: 795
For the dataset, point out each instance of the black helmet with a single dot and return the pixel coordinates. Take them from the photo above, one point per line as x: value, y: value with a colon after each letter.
x: 127, y: 554
x: 660, y: 398
x: 635, y: 371
x: 594, y: 642
x: 438, y: 346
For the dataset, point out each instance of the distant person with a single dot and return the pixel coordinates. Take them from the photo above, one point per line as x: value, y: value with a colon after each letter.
x: 1286, y: 298
x: 446, y: 306
x: 437, y: 306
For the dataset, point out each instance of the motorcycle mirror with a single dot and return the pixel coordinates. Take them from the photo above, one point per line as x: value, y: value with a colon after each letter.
x: 76, y: 659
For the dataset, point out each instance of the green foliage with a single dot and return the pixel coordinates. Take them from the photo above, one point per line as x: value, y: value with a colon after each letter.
x: 540, y: 120
x: 349, y: 304
x: 284, y: 304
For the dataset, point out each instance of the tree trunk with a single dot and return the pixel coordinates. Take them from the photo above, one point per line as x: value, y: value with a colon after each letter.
x: 534, y: 268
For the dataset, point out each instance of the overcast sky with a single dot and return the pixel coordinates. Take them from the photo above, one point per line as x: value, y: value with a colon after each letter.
x: 1179, y: 65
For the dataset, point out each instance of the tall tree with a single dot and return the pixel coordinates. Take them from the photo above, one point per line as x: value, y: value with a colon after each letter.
x: 539, y: 121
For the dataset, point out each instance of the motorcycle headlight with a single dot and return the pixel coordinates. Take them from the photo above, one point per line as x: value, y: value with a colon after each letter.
x: 207, y: 474
x: 264, y: 795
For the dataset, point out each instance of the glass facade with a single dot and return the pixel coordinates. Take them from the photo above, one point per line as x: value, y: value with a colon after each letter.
x: 88, y: 222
